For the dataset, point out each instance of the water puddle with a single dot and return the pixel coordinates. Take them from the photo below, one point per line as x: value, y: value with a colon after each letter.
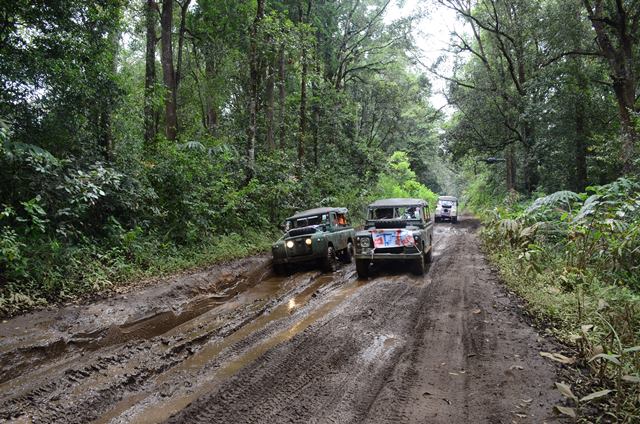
x: 382, y: 345
x: 158, y: 410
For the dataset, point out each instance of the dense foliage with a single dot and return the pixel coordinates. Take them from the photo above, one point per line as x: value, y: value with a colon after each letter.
x: 575, y: 258
x: 141, y: 137
x: 545, y: 97
x: 545, y: 86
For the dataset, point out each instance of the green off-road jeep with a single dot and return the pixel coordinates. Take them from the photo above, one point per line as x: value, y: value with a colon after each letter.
x: 396, y: 229
x: 323, y: 235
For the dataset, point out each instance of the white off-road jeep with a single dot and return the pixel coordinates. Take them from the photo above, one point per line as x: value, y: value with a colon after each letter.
x: 447, y: 209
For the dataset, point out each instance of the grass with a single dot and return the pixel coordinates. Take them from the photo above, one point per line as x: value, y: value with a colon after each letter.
x: 599, y: 321
x: 82, y: 270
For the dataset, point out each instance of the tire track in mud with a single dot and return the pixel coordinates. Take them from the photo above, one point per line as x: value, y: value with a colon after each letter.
x: 444, y: 347
x: 323, y: 369
x: 474, y: 357
x: 72, y: 330
x: 83, y: 387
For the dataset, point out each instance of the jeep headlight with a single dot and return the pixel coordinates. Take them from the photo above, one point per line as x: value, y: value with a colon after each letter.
x: 290, y: 244
x: 365, y: 242
x: 308, y: 242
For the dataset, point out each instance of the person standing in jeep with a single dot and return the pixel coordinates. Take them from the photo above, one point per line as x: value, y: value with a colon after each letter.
x: 396, y: 229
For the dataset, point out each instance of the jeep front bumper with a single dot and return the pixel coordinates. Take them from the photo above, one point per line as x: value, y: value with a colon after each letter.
x: 378, y: 255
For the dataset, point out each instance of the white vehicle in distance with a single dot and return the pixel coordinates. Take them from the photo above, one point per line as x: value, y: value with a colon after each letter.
x: 447, y: 209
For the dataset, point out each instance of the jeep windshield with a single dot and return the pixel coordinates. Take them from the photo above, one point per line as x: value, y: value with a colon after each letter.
x: 396, y: 212
x: 307, y: 221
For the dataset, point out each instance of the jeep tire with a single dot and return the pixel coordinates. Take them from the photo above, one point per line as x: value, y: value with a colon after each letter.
x: 454, y: 220
x: 347, y: 254
x: 428, y: 256
x: 362, y: 268
x: 418, y: 265
x: 280, y: 269
x: 330, y: 262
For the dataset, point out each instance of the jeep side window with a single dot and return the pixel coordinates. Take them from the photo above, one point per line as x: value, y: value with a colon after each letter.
x: 342, y: 220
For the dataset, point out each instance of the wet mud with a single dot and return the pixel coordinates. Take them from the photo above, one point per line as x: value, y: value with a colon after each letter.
x: 236, y: 343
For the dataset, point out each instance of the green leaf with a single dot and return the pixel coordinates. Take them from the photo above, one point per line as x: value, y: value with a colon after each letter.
x: 609, y: 357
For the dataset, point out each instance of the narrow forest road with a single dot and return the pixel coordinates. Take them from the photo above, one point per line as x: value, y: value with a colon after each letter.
x: 235, y: 344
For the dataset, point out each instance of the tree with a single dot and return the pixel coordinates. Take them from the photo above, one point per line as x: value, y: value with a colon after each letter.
x: 617, y: 25
x: 150, y: 118
x: 168, y: 71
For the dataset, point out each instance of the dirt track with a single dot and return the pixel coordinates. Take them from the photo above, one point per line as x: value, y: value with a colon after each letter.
x: 235, y: 344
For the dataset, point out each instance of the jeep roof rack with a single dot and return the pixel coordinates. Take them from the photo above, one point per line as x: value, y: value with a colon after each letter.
x: 317, y: 211
x: 400, y: 201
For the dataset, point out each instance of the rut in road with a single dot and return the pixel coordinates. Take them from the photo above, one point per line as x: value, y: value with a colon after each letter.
x: 450, y: 346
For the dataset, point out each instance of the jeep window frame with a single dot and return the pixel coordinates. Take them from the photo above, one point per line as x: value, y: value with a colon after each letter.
x: 423, y: 214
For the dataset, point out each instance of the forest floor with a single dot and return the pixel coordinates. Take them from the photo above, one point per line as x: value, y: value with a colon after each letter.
x: 236, y: 344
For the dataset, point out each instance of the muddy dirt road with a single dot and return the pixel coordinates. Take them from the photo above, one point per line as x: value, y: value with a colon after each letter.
x: 235, y: 344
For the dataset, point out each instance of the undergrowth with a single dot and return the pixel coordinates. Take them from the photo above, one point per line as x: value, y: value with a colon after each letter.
x: 88, y: 268
x: 575, y: 259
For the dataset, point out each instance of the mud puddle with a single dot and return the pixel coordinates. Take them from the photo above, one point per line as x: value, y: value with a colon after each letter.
x: 151, y: 408
x: 55, y: 335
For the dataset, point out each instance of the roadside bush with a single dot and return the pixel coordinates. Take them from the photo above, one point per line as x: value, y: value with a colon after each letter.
x: 575, y: 258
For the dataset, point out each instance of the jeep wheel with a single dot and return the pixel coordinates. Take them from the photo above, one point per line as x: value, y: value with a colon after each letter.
x: 280, y: 269
x: 362, y: 268
x: 330, y: 263
x: 428, y: 257
x: 454, y: 220
x: 418, y: 266
x: 347, y: 254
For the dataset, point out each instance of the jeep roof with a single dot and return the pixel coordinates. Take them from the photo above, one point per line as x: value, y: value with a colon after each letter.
x: 401, y: 201
x: 317, y: 211
x: 448, y: 198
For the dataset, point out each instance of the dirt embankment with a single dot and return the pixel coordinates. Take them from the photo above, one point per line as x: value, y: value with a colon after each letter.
x: 237, y: 344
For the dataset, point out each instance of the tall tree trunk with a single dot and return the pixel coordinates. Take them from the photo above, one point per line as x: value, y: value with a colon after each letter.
x: 316, y: 116
x: 302, y: 129
x: 168, y: 72
x: 511, y: 168
x: 282, y: 96
x: 107, y: 104
x: 580, y: 149
x: 254, y: 83
x: 530, y: 169
x: 183, y: 27
x: 150, y: 74
x: 271, y: 144
x: 211, y: 110
x: 620, y: 56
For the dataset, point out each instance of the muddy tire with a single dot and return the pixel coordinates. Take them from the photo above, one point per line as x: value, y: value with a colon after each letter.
x: 330, y: 262
x: 428, y: 256
x: 362, y: 268
x: 436, y: 219
x: 454, y: 220
x: 347, y: 254
x: 280, y: 269
x: 419, y: 266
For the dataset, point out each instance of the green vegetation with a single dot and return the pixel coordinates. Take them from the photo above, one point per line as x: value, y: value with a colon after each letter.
x: 143, y: 137
x: 575, y: 259
x: 545, y: 101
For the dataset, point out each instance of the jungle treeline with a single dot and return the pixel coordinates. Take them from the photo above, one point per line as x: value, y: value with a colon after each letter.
x: 143, y: 137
